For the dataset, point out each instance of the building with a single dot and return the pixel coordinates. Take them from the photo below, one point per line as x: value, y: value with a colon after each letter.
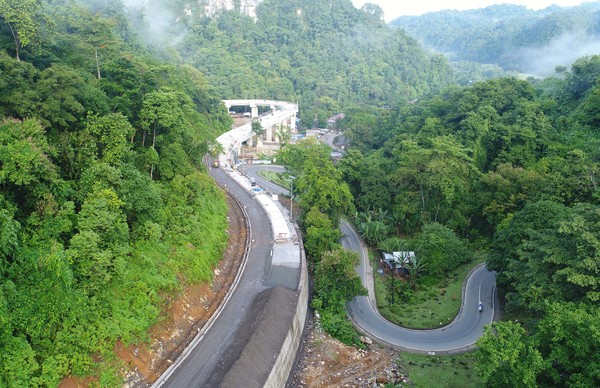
x: 399, y: 262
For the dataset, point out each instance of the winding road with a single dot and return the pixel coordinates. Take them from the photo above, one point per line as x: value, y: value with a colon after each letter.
x: 460, y: 335
x: 208, y: 359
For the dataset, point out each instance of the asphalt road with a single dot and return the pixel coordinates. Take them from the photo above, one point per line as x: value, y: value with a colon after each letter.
x: 253, y: 171
x: 460, y: 334
x: 208, y: 362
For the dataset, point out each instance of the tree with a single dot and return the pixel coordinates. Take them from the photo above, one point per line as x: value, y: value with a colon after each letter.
x: 64, y: 94
x: 392, y: 244
x: 416, y: 267
x: 336, y: 283
x: 373, y: 226
x: 321, y: 235
x: 373, y: 9
x: 321, y: 187
x: 9, y: 234
x: 23, y: 20
x: 506, y: 358
x: 440, y: 250
x: 506, y: 190
x: 305, y: 153
x: 569, y: 341
x: 257, y: 129
x: 284, y: 134
x: 318, y: 181
x: 433, y: 182
x: 95, y: 32
x: 165, y: 113
x: 98, y: 251
x: 513, y: 257
x: 549, y: 252
x: 108, y: 136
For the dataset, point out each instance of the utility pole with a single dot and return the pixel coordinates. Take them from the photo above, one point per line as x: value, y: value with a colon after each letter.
x: 393, y: 275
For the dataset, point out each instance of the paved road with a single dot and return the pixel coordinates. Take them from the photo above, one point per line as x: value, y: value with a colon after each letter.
x: 459, y: 335
x: 253, y: 171
x: 213, y: 355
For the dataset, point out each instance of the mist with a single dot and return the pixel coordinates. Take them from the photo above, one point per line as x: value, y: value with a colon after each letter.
x: 561, y: 51
x: 154, y: 23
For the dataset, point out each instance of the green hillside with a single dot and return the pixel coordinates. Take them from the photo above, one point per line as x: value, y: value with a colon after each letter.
x: 328, y: 56
x: 105, y: 206
x: 505, y: 170
x: 511, y: 36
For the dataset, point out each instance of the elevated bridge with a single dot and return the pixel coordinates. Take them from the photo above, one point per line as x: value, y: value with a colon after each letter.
x: 281, y: 116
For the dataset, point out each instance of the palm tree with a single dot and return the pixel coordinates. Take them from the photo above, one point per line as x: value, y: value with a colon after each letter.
x: 392, y: 244
x: 415, y: 269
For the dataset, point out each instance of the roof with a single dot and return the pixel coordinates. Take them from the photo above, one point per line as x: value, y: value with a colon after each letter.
x: 399, y: 257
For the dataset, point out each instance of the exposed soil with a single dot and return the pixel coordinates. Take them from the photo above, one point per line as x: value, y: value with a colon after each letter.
x: 186, y: 314
x: 323, y: 362
x: 326, y: 362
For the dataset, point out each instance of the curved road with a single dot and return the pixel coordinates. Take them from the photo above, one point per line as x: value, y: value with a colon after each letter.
x: 459, y: 335
x: 205, y: 363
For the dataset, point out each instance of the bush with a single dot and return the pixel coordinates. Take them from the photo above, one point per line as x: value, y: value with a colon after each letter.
x: 440, y: 250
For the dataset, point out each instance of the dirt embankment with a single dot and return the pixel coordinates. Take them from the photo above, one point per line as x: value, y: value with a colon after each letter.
x: 324, y: 362
x: 186, y: 313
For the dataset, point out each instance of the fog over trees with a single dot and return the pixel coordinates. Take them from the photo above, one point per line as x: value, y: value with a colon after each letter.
x: 106, y: 209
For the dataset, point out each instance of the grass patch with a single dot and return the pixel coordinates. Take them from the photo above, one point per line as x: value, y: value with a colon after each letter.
x: 441, y: 371
x: 280, y: 178
x: 433, y: 304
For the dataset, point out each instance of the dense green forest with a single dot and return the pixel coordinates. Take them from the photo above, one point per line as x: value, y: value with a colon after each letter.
x: 105, y: 205
x: 106, y: 208
x: 510, y: 36
x: 328, y: 56
x: 509, y: 168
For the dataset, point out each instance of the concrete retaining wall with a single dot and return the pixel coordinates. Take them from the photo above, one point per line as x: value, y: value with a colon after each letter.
x: 285, y: 360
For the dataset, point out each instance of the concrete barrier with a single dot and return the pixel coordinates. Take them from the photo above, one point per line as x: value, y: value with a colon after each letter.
x: 285, y: 360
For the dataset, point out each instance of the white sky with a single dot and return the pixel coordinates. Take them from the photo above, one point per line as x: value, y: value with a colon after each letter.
x: 396, y: 8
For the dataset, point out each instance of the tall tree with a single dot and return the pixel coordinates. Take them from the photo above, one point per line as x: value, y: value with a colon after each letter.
x: 433, y: 182
x: 505, y: 357
x: 23, y: 20
x: 569, y: 340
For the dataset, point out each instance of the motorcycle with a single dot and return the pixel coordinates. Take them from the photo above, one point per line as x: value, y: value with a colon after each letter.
x: 480, y: 308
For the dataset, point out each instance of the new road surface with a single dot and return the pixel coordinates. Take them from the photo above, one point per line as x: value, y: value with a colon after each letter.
x: 207, y: 361
x: 459, y: 335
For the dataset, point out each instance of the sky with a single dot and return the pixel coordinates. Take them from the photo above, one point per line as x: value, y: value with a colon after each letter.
x: 395, y: 8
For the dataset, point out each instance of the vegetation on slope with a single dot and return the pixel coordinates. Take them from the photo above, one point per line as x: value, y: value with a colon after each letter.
x: 510, y: 167
x: 105, y: 206
x: 328, y: 56
x: 511, y: 36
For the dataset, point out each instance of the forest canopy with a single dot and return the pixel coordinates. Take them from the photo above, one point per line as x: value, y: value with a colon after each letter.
x: 105, y: 205
x: 512, y: 37
x: 511, y: 167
